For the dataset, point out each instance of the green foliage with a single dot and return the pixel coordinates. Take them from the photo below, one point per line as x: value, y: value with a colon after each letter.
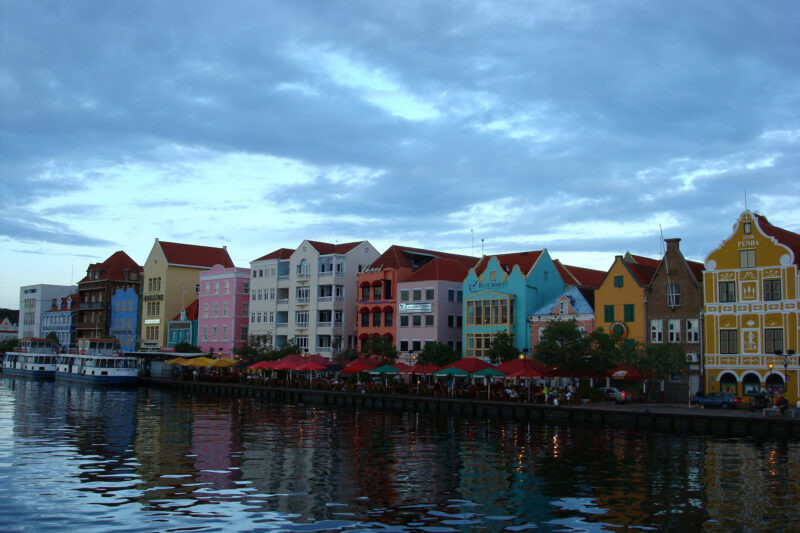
x: 382, y: 347
x: 9, y: 345
x: 502, y: 348
x: 664, y: 359
x: 437, y: 353
x: 605, y: 351
x: 53, y: 336
x: 565, y: 346
x: 185, y: 347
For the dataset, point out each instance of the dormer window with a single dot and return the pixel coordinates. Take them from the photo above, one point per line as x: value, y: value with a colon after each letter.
x: 563, y: 307
x: 492, y: 275
x: 748, y: 228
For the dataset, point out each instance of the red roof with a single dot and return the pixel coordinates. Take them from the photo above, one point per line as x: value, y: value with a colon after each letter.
x: 641, y: 260
x: 579, y: 276
x: 785, y: 237
x: 280, y: 253
x: 192, y: 311
x: 76, y: 300
x: 697, y: 269
x: 401, y: 256
x: 193, y: 255
x: 525, y: 261
x: 446, y: 269
x: 325, y: 248
x: 642, y: 273
x: 113, y: 267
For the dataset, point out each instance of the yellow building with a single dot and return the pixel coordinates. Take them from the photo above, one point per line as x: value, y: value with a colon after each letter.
x: 750, y: 305
x: 170, y: 282
x: 619, y: 301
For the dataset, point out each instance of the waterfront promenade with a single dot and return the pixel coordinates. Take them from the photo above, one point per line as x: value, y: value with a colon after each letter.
x: 645, y: 416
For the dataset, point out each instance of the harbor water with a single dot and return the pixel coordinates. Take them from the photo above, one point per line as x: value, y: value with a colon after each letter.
x: 84, y: 458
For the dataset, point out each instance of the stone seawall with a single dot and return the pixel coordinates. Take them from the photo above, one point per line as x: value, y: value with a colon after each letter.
x: 651, y: 417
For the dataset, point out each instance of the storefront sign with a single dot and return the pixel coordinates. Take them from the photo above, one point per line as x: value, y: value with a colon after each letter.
x: 151, y: 297
x: 373, y: 269
x: 152, y: 321
x: 416, y: 308
x: 476, y: 286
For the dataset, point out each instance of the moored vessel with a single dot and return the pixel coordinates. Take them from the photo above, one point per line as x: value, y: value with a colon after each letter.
x: 97, y: 361
x: 32, y: 357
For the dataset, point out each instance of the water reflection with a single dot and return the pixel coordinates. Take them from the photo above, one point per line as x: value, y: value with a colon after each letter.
x: 104, y: 459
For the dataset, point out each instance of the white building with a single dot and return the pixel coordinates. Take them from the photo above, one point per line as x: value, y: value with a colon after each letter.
x: 8, y: 330
x: 35, y: 300
x: 308, y: 296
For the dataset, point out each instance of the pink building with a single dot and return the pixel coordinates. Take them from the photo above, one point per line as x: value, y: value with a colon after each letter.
x: 223, y: 310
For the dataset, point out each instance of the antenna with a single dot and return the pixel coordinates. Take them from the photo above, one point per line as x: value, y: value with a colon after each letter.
x: 472, y: 233
x: 745, y: 199
x: 482, y: 246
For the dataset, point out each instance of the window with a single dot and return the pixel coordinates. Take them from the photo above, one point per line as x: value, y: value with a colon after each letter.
x: 377, y: 292
x: 451, y: 295
x: 628, y: 313
x: 376, y: 320
x: 748, y: 228
x: 387, y: 319
x: 244, y: 333
x: 214, y: 333
x: 301, y: 341
x: 747, y: 258
x: 416, y: 320
x: 416, y: 295
x: 451, y: 321
x: 608, y: 313
x: 227, y: 286
x: 693, y: 330
x: 216, y: 311
x: 301, y: 318
x: 429, y: 320
x: 773, y: 340
x: 364, y: 320
x: 216, y: 287
x: 245, y: 308
x: 657, y: 331
x: 387, y: 283
x: 486, y: 312
x: 727, y: 341
x: 365, y: 293
x: 674, y: 329
x: 619, y: 281
x: 208, y: 287
x: 673, y: 294
x: 416, y: 346
x: 205, y: 310
x: 225, y: 309
x: 460, y: 295
x: 403, y: 346
x: 727, y: 291
x: 303, y: 294
x: 403, y: 295
x: 772, y: 289
x: 403, y: 321
x: 429, y: 294
x: 224, y: 333
x: 205, y: 333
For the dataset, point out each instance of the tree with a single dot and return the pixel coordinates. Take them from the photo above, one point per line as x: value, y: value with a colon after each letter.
x: 502, y: 348
x: 185, y: 347
x: 605, y: 351
x: 8, y: 345
x: 665, y: 359
x: 437, y: 353
x: 565, y: 346
x: 53, y: 336
x: 381, y: 347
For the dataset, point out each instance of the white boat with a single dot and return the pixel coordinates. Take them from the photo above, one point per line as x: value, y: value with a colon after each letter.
x: 32, y: 357
x: 96, y: 361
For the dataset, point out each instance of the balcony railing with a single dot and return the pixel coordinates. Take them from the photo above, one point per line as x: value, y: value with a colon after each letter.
x: 328, y: 324
x: 303, y: 300
x: 283, y: 301
x: 90, y: 305
x: 303, y: 275
x: 323, y: 299
x: 301, y: 324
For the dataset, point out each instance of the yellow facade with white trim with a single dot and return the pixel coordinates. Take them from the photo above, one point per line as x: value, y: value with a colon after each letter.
x: 743, y: 314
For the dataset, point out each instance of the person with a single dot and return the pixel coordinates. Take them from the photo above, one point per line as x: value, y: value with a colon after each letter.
x: 782, y: 403
x: 194, y: 374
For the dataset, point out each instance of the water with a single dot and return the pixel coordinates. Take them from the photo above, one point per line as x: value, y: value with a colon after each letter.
x: 79, y: 458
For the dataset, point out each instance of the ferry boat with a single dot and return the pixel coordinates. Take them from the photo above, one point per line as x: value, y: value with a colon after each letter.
x: 32, y: 357
x: 96, y: 361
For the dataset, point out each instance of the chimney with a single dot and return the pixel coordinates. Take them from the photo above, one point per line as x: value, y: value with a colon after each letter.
x: 673, y: 245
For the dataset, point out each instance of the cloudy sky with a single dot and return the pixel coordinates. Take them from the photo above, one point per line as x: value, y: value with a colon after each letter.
x: 580, y: 127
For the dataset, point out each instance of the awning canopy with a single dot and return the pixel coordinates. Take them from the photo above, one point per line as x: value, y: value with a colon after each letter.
x: 376, y: 309
x: 387, y: 309
x: 363, y: 336
x: 364, y: 310
x: 377, y: 282
x: 364, y: 284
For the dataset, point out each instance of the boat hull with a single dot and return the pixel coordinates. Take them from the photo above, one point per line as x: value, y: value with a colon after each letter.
x: 97, y: 379
x: 35, y: 374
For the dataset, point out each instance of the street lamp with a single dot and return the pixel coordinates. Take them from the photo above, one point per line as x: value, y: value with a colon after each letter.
x: 768, y: 376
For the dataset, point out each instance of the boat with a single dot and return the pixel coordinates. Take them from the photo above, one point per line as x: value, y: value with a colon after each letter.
x: 97, y: 361
x: 32, y: 357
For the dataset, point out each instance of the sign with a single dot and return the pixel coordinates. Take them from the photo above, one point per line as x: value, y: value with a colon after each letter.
x: 619, y: 329
x: 373, y: 269
x: 476, y: 286
x: 151, y: 297
x: 416, y: 308
x: 152, y: 321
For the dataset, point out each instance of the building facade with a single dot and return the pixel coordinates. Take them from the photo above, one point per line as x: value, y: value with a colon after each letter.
x: 183, y: 328
x: 125, y: 312
x: 307, y: 296
x: 620, y: 300
x: 674, y: 305
x: 223, y: 310
x: 171, y: 281
x: 97, y: 288
x: 62, y: 320
x: 500, y: 292
x: 572, y: 304
x: 35, y: 300
x: 751, y: 307
x: 8, y: 330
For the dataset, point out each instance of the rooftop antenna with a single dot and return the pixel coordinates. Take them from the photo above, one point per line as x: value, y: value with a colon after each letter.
x: 745, y: 199
x: 482, y: 246
x: 472, y: 233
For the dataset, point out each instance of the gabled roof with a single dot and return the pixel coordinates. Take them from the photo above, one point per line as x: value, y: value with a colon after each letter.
x: 325, y: 248
x: 785, y: 237
x: 414, y: 258
x: 525, y: 261
x: 641, y: 268
x: 443, y: 268
x: 112, y: 268
x: 640, y: 260
x: 192, y: 311
x: 280, y: 253
x: 580, y: 276
x: 193, y: 255
x: 576, y: 300
x: 76, y: 300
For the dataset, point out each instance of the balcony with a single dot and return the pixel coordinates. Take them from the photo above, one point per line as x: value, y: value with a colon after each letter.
x: 301, y: 325
x: 323, y: 299
x: 303, y: 276
x: 324, y: 349
x: 283, y: 301
x: 90, y: 305
x: 303, y: 300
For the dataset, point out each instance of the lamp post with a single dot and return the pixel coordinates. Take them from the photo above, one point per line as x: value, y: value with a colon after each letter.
x: 768, y: 376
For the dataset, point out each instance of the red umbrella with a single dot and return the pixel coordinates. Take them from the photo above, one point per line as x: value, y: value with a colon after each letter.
x: 423, y: 369
x: 311, y: 365
x: 627, y: 372
x: 267, y: 365
x: 358, y: 366
x: 515, y: 365
x: 469, y: 364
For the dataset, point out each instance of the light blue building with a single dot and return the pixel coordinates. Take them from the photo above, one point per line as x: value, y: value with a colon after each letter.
x: 500, y: 292
x: 62, y: 320
x: 183, y: 328
x: 125, y: 318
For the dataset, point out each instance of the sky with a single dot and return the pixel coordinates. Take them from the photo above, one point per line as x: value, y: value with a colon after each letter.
x: 586, y: 128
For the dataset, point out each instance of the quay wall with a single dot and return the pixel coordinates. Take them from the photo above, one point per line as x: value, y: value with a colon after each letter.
x: 651, y: 417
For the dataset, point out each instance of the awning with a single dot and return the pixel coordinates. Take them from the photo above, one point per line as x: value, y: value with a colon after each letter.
x: 364, y: 310
x: 377, y: 282
x: 376, y: 309
x: 364, y: 284
x: 363, y: 336
x: 388, y: 336
x: 388, y: 309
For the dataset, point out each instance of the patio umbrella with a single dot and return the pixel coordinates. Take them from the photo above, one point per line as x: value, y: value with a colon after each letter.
x: 470, y: 364
x: 488, y: 373
x: 199, y: 362
x: 385, y: 369
x: 223, y: 363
